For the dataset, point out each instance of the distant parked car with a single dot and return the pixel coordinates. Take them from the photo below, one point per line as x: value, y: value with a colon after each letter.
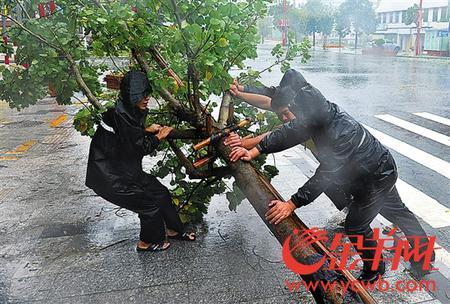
x: 381, y: 47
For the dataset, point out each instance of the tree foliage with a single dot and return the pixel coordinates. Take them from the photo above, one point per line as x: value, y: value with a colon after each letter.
x: 313, y: 17
x: 342, y: 24
x: 411, y: 15
x: 264, y: 27
x: 319, y: 16
x: 199, y: 39
x: 357, y: 15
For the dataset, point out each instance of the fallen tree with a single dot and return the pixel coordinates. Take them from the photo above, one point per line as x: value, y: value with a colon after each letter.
x: 187, y: 49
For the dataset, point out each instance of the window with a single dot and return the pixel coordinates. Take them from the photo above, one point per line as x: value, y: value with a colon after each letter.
x: 435, y: 14
x: 395, y: 19
x: 388, y: 17
x: 425, y: 15
x: 444, y: 16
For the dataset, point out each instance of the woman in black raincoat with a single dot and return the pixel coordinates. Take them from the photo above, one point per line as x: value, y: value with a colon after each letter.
x: 115, y: 165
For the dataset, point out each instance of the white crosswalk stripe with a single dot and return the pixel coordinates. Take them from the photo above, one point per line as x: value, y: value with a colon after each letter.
x: 430, y: 210
x: 433, y: 135
x: 423, y: 206
x: 442, y: 255
x: 433, y: 117
x: 436, y: 164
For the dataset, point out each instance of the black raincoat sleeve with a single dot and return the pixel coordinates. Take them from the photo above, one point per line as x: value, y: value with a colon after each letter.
x: 267, y: 91
x: 288, y: 135
x: 343, y: 148
x: 312, y: 188
x: 134, y: 137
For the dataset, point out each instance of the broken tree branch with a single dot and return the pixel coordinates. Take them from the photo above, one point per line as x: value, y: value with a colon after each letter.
x: 163, y: 64
x: 194, y: 173
x: 79, y: 79
x: 224, y: 109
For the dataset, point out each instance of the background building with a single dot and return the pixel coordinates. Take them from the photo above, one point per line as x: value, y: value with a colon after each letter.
x: 434, y: 37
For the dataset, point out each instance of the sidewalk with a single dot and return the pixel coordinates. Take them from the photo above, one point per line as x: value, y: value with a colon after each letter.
x: 59, y: 243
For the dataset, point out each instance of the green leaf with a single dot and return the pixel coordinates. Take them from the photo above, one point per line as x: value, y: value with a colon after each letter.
x: 102, y: 20
x: 235, y: 197
x: 214, y: 21
x: 223, y: 42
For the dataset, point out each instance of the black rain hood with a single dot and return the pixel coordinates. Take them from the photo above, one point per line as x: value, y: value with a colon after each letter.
x: 285, y: 93
x: 134, y: 87
x: 293, y: 79
x: 311, y: 107
x: 303, y: 99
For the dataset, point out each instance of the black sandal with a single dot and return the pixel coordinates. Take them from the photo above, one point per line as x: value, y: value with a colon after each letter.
x: 190, y: 237
x: 154, y: 247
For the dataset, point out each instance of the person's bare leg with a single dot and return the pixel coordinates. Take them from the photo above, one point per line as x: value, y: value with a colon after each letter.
x: 171, y: 232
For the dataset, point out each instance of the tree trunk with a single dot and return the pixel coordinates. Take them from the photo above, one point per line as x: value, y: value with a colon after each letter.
x: 314, y: 39
x: 356, y: 40
x: 260, y: 192
x: 340, y: 42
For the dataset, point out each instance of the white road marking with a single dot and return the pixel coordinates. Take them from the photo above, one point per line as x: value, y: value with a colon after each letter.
x: 442, y: 255
x: 427, y: 208
x: 433, y: 117
x: 433, y: 135
x: 430, y: 210
x: 436, y: 164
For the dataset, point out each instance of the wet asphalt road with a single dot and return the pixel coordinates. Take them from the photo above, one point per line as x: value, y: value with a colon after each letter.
x: 367, y: 86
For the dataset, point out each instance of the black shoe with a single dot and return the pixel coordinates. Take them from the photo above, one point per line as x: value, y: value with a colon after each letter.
x: 370, y: 276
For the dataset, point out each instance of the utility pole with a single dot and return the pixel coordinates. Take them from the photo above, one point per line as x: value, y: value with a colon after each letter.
x: 5, y: 13
x: 284, y: 23
x: 419, y: 27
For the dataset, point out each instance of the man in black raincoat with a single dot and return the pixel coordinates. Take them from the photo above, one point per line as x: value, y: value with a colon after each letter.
x: 277, y: 99
x: 349, y: 156
x: 115, y: 165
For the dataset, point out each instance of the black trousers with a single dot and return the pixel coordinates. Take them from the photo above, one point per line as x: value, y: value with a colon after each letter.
x: 378, y: 195
x: 153, y: 203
